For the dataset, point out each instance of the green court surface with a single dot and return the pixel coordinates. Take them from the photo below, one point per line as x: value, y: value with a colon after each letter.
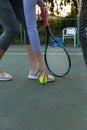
x: 27, y: 105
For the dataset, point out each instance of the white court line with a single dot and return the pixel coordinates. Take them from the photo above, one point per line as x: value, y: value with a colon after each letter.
x: 20, y: 49
x: 76, y: 54
x: 10, y: 49
x: 15, y: 53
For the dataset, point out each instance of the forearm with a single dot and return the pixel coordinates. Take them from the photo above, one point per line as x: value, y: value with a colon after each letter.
x: 41, y: 3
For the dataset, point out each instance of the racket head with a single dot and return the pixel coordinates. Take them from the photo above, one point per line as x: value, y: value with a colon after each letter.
x: 57, y: 58
x: 83, y: 28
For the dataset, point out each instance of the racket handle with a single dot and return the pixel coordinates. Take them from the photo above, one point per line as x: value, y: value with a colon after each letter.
x: 44, y: 17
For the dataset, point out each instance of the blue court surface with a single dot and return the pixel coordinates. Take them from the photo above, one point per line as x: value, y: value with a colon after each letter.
x: 27, y: 105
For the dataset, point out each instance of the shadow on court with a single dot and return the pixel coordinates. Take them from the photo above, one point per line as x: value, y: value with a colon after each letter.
x: 27, y: 105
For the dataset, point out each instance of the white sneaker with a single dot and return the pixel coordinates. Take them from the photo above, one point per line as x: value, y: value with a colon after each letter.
x: 4, y: 76
x: 32, y: 76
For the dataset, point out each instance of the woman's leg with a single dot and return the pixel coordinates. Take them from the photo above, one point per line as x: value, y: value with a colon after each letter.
x: 10, y: 26
x: 17, y: 5
x: 9, y: 23
x: 30, y: 16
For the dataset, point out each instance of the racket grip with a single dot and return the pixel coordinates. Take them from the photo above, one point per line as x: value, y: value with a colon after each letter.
x: 44, y: 17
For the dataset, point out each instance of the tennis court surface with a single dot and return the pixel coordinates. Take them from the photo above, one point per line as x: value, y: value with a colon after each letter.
x: 27, y: 105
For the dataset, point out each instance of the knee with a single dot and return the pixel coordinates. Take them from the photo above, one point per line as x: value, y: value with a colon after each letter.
x: 8, y: 36
x: 12, y: 30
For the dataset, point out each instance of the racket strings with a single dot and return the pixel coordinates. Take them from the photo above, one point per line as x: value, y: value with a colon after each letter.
x: 83, y: 29
x: 84, y: 48
x: 83, y: 19
x: 57, y: 60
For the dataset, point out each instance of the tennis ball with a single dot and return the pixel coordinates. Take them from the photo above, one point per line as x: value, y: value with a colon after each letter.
x: 42, y: 80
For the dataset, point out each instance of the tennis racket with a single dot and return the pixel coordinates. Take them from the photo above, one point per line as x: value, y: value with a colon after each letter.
x: 56, y: 56
x: 83, y: 28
